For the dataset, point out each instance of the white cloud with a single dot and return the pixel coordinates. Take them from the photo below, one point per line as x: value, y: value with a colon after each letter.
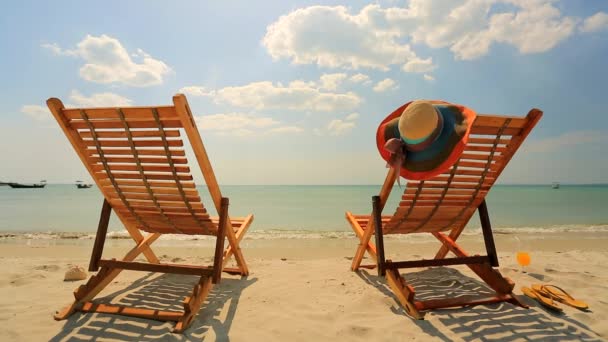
x: 285, y: 129
x: 352, y: 117
x: 55, y: 49
x: 360, y: 78
x: 338, y: 127
x: 107, y: 61
x: 331, y: 81
x: 346, y: 40
x: 419, y: 65
x: 429, y: 78
x: 241, y: 124
x: 567, y: 139
x: 98, y: 100
x: 297, y: 95
x: 36, y: 112
x: 196, y: 91
x: 77, y: 99
x: 384, y: 85
x: 596, y: 22
x: 379, y: 38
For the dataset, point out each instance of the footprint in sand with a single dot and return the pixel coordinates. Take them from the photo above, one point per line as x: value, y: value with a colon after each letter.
x: 20, y: 280
x: 49, y: 268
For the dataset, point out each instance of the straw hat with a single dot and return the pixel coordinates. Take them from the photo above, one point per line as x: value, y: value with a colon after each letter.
x: 424, y: 138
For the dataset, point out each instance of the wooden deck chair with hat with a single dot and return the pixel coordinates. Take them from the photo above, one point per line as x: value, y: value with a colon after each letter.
x: 136, y: 157
x: 451, y: 157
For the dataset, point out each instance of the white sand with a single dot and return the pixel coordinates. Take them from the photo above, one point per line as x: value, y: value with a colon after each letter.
x: 310, y: 296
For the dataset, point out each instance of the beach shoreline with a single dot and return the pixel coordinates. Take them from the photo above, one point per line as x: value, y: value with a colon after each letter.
x: 303, y: 289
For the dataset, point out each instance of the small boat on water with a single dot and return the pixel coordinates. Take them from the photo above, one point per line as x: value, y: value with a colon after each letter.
x: 555, y: 185
x: 82, y: 185
x: 40, y: 185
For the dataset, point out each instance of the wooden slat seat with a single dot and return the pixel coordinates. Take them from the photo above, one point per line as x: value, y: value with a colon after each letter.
x: 446, y: 203
x: 137, y: 158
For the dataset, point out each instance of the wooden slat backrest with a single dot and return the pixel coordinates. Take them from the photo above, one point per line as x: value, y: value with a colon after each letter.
x: 136, y: 157
x: 448, y: 201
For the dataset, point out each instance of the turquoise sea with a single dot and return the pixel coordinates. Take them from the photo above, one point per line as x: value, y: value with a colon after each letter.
x: 63, y: 208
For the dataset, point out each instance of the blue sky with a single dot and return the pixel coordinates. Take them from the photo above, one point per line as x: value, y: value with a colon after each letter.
x: 290, y: 92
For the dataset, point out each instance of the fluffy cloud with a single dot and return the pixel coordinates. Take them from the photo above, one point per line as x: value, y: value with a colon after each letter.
x: 331, y: 81
x: 379, y: 38
x: 360, y: 78
x: 429, y: 77
x: 340, y: 127
x: 362, y: 40
x: 196, y: 91
x: 337, y: 127
x: 596, y: 22
x: 240, y: 124
x: 352, y: 117
x: 36, y: 112
x: 285, y: 129
x: 419, y: 65
x: 107, y: 61
x: 384, y: 85
x: 297, y: 95
x: 76, y: 99
x: 98, y: 100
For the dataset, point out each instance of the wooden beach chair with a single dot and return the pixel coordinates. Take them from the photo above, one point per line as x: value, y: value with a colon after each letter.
x: 446, y: 203
x: 135, y: 156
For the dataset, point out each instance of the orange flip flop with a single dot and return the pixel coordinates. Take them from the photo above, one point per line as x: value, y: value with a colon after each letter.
x: 544, y: 301
x: 560, y: 295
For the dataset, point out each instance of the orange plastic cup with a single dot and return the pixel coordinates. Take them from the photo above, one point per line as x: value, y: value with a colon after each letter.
x: 523, y: 258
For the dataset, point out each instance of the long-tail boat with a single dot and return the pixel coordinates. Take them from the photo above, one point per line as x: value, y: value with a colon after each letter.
x: 40, y: 185
x: 81, y: 185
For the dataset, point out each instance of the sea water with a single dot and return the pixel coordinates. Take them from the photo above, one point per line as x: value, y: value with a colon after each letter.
x: 282, y: 209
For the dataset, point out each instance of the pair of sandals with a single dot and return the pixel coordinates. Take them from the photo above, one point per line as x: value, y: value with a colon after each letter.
x: 549, y: 295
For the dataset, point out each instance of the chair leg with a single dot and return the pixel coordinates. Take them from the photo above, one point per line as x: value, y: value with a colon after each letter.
x: 95, y: 284
x: 377, y: 216
x: 385, y: 192
x: 404, y: 293
x: 218, y: 261
x: 488, y: 237
x: 100, y: 237
x: 371, y: 248
x: 364, y: 243
x: 192, y: 304
x: 236, y: 243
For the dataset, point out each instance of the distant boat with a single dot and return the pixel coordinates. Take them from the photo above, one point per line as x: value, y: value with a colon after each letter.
x: 81, y: 185
x: 40, y: 185
x: 555, y: 185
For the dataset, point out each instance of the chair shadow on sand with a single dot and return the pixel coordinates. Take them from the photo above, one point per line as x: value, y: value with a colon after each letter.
x: 164, y: 292
x: 493, y: 322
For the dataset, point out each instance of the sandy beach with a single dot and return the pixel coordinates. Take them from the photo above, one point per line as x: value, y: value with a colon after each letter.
x: 303, y: 290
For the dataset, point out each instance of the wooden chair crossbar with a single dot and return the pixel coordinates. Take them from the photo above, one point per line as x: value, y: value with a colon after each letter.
x: 131, y: 154
x: 446, y: 203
